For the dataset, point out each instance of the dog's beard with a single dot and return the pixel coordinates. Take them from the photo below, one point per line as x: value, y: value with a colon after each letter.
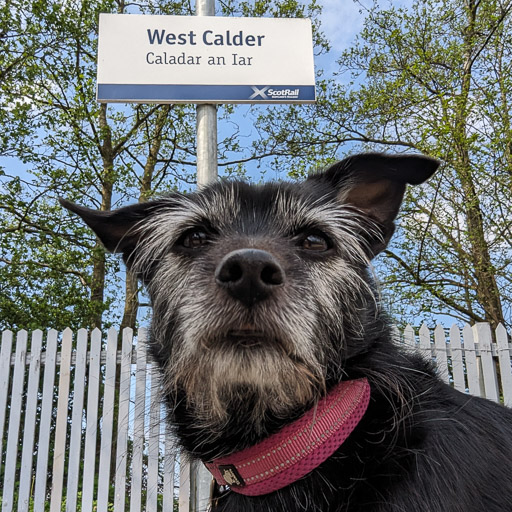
x: 250, y: 381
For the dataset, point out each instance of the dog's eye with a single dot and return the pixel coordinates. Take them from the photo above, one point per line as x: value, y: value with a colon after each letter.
x: 315, y: 242
x: 194, y: 239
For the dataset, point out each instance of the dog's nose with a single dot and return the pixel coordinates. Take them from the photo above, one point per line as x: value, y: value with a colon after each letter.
x: 249, y: 275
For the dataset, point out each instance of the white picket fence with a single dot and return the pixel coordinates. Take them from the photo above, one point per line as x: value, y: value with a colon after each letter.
x: 57, y: 417
x: 469, y: 362
x: 57, y: 394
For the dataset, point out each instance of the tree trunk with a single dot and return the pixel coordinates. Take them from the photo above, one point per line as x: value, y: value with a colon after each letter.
x: 487, y: 289
x: 131, y: 304
x: 107, y: 185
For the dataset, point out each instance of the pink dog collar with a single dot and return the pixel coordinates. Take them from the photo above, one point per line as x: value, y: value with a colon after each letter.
x: 298, y: 448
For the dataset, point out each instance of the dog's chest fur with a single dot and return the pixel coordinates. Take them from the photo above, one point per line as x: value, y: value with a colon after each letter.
x: 263, y: 301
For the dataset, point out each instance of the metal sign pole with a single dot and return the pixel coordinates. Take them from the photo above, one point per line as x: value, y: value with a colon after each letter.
x: 206, y: 137
x: 206, y: 122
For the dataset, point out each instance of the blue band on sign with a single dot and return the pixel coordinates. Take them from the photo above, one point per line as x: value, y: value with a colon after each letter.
x: 206, y: 93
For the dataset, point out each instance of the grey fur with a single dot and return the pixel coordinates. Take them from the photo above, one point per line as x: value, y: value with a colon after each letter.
x: 292, y: 372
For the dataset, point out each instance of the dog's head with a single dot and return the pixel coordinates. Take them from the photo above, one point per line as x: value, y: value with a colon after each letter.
x: 261, y: 294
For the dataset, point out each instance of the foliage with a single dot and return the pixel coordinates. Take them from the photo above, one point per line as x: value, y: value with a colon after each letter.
x: 55, y: 140
x: 434, y: 78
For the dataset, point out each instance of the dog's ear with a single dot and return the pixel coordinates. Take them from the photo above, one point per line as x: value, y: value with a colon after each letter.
x: 374, y: 183
x: 116, y: 229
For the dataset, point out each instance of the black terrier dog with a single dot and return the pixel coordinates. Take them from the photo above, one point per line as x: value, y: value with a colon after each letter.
x: 278, y: 364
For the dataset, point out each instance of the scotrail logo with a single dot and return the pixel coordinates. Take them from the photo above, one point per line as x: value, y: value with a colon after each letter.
x: 273, y: 93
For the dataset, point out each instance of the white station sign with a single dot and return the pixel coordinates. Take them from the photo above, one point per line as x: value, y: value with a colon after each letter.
x: 204, y: 59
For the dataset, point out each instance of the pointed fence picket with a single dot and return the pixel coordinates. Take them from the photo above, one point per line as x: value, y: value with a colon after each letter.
x: 504, y: 362
x: 30, y: 421
x: 61, y: 424
x: 5, y: 372
x: 457, y: 359
x: 122, y: 421
x: 483, y: 338
x: 107, y: 425
x: 138, y: 428
x: 75, y: 448
x: 474, y: 373
x: 45, y: 422
x: 11, y: 455
x: 154, y: 438
x: 65, y: 399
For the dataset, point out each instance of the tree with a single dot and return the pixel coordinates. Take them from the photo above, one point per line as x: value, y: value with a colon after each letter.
x: 57, y: 141
x: 434, y: 78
